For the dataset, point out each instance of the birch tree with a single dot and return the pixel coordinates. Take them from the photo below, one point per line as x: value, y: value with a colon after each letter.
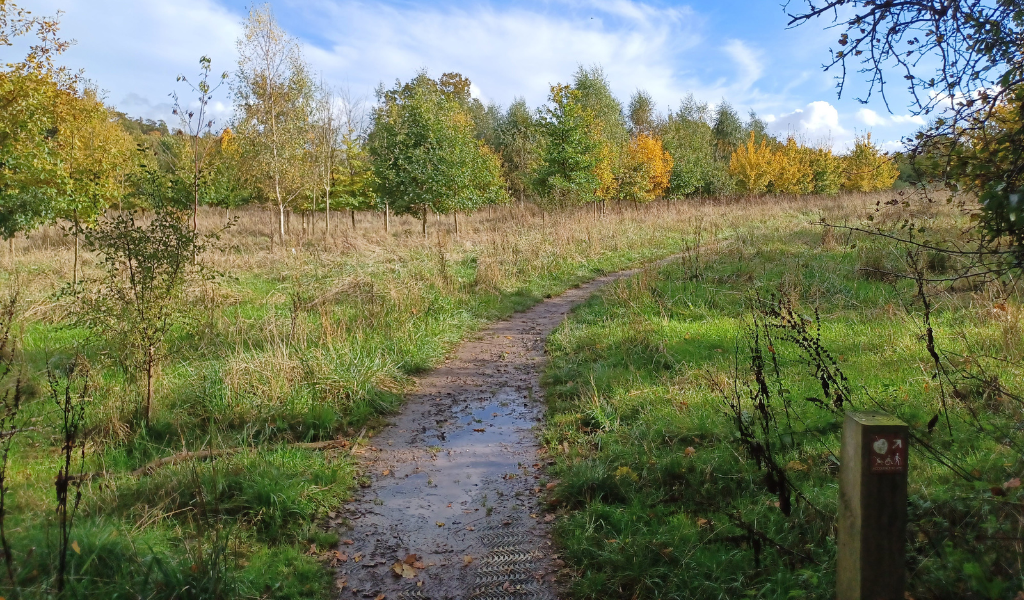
x: 273, y: 96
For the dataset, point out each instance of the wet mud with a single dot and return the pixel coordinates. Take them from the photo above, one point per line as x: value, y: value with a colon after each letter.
x: 453, y: 506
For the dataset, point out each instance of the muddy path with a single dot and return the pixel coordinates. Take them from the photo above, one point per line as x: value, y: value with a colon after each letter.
x: 453, y: 507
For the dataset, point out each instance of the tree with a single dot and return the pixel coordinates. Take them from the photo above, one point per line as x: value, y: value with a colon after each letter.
x: 198, y: 127
x: 517, y: 141
x: 94, y: 156
x: 141, y: 295
x: 867, y: 168
x: 273, y: 94
x: 642, y: 115
x: 728, y: 129
x: 610, y: 127
x: 30, y: 178
x: 354, y: 178
x: 752, y: 165
x: 425, y: 153
x: 646, y: 170
x: 689, y: 138
x: 791, y: 168
x: 568, y: 169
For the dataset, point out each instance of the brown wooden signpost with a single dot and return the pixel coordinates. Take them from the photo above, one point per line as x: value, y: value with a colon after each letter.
x: 872, y: 508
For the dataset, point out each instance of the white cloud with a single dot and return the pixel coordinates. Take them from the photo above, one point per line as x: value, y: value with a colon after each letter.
x: 870, y: 117
x: 817, y: 122
x: 748, y: 60
x: 915, y: 119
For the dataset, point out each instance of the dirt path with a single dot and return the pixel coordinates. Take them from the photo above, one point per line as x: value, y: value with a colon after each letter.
x: 455, y: 476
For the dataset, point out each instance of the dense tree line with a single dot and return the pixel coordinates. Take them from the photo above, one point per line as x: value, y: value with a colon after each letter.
x: 300, y: 146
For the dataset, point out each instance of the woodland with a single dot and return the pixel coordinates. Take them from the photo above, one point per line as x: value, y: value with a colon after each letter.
x: 204, y: 323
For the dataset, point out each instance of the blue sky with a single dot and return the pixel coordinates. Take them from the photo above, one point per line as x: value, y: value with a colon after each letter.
x: 740, y: 51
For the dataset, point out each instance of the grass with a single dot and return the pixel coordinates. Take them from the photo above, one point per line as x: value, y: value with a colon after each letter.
x: 310, y: 342
x: 659, y: 499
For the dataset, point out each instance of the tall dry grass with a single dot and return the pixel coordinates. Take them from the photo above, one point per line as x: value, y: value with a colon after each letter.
x: 325, y: 331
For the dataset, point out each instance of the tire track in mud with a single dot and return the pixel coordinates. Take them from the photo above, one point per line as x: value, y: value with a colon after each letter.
x: 455, y: 474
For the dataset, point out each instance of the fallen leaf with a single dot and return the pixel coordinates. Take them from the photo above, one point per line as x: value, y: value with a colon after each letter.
x: 439, y: 523
x: 533, y: 515
x: 312, y: 549
x: 347, y: 542
x: 386, y: 472
x: 549, y: 518
x: 340, y: 556
x: 419, y: 584
x: 479, y: 430
x: 612, y: 541
x: 690, y: 451
x: 551, y: 486
x: 381, y: 597
x: 411, y: 559
x: 470, y: 528
x: 340, y: 583
x: 466, y: 560
x: 1013, y: 483
x: 702, y: 522
x: 505, y: 586
x: 796, y: 466
x: 357, y: 557
x: 418, y: 565
x: 74, y: 545
x: 403, y: 570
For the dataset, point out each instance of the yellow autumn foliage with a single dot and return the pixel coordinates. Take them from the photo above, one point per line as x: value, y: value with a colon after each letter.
x: 753, y: 166
x: 646, y: 169
x: 867, y: 168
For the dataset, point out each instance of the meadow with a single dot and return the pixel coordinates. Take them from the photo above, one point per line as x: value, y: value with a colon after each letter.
x: 287, y: 360
x: 654, y: 391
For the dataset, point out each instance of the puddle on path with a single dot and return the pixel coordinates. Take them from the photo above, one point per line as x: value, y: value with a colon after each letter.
x: 456, y: 478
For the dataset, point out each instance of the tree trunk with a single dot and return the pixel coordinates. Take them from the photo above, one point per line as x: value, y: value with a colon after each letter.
x: 327, y: 216
x: 387, y: 218
x: 280, y: 219
x: 456, y: 223
x: 74, y: 266
x: 150, y: 360
x: 596, y: 202
x: 353, y: 219
x: 272, y: 233
x: 227, y: 215
x: 424, y: 221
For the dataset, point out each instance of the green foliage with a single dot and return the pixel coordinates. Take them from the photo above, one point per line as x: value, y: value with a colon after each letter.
x: 689, y: 138
x: 425, y: 152
x: 567, y: 171
x: 141, y: 295
x: 517, y: 141
x: 728, y: 130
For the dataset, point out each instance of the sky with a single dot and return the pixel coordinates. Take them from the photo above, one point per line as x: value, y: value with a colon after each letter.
x: 733, y: 50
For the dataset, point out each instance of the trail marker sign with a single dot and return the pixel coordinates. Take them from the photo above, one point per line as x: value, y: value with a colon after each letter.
x: 872, y: 508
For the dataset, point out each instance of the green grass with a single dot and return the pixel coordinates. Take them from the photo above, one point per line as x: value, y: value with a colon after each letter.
x: 282, y: 348
x: 658, y: 499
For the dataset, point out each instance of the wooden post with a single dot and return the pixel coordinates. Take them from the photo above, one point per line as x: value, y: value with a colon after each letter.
x: 872, y: 508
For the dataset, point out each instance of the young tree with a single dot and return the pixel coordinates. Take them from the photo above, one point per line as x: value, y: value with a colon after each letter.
x: 273, y: 94
x: 517, y: 141
x: 567, y: 172
x: 646, y: 170
x: 728, y: 129
x: 867, y: 168
x: 689, y: 138
x: 643, y: 118
x: 30, y: 177
x: 198, y: 127
x: 425, y: 153
x: 94, y: 155
x: 353, y: 182
x: 752, y: 165
x: 141, y: 295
